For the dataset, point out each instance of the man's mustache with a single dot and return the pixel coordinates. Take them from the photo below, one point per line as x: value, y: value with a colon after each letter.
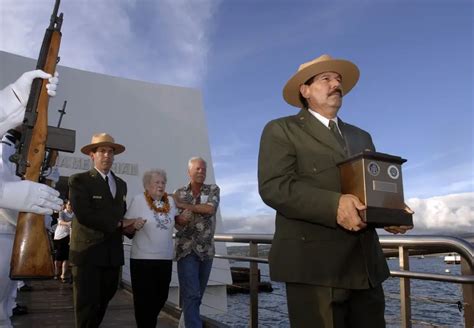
x: 339, y: 91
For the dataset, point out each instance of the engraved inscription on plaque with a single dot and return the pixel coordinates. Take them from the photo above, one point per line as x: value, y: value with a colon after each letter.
x: 384, y: 186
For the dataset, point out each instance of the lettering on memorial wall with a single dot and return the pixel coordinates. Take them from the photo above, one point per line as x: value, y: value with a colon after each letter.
x: 83, y: 164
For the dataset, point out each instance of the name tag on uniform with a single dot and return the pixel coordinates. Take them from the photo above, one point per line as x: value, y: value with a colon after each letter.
x: 96, y: 197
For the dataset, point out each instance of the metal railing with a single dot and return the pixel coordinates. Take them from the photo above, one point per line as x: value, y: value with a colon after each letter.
x: 404, y: 245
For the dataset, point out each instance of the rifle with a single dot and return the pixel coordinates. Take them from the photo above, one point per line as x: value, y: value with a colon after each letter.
x: 31, y: 255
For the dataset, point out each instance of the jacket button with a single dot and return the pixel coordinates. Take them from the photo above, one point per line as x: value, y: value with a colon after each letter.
x: 303, y: 238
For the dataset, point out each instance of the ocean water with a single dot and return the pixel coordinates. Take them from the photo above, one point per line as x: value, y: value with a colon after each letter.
x: 434, y: 304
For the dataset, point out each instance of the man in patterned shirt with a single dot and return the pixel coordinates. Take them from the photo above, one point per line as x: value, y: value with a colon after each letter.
x: 195, y: 239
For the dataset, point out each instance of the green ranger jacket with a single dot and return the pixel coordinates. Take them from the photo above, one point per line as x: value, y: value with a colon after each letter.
x: 96, y: 238
x: 298, y: 177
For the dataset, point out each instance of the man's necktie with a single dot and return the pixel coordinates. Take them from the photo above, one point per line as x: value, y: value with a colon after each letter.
x: 112, y: 185
x: 111, y: 188
x: 337, y: 135
x: 107, y: 181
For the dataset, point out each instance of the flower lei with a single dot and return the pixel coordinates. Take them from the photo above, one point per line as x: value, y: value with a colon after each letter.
x: 151, y: 203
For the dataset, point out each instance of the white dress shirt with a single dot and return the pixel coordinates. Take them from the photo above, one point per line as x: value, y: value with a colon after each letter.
x: 112, y: 185
x: 325, y: 120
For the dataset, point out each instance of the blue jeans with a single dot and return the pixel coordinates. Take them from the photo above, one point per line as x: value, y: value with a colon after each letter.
x: 193, y: 275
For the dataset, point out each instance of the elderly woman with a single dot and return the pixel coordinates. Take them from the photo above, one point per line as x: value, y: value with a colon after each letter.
x: 152, y: 247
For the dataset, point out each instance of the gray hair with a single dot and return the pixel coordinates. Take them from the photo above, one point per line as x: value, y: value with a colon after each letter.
x: 149, y: 174
x: 196, y: 159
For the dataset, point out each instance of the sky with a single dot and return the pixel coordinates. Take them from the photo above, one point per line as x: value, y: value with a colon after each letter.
x: 415, y: 93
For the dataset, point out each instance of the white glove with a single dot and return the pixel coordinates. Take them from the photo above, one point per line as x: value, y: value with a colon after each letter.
x: 14, y: 97
x: 53, y: 174
x: 22, y: 86
x: 53, y: 84
x: 29, y: 196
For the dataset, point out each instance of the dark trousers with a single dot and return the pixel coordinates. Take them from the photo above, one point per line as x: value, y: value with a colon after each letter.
x: 326, y: 307
x: 150, y: 283
x: 93, y: 288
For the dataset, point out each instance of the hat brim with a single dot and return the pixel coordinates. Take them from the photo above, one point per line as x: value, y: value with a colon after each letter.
x: 118, y: 148
x: 348, y: 71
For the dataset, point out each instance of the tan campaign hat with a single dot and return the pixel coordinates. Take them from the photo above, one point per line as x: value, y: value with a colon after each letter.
x: 102, y: 139
x: 325, y: 63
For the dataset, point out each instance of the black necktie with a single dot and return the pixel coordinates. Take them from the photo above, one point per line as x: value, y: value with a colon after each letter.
x: 111, y: 185
x: 336, y: 134
x: 107, y: 181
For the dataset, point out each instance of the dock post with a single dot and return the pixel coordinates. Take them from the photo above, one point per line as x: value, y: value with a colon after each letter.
x: 253, y: 252
x: 468, y: 294
x: 405, y: 293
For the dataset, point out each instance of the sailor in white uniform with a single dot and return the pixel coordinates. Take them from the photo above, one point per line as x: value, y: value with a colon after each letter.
x: 17, y: 195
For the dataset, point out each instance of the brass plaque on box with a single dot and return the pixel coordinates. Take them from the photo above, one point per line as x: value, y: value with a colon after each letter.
x: 376, y: 179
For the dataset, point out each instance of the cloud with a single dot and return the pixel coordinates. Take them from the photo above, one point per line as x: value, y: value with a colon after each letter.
x: 188, y: 25
x: 237, y: 184
x: 442, y: 214
x: 434, y: 158
x: 223, y: 153
x: 22, y: 20
x: 282, y: 33
x: 430, y: 182
x: 239, y: 195
x: 92, y: 34
x: 262, y: 224
x: 161, y: 42
x: 450, y: 213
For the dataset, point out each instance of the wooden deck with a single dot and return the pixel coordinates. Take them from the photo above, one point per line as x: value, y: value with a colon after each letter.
x: 50, y: 305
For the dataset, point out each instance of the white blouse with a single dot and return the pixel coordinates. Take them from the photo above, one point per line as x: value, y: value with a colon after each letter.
x: 63, y: 231
x: 155, y: 240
